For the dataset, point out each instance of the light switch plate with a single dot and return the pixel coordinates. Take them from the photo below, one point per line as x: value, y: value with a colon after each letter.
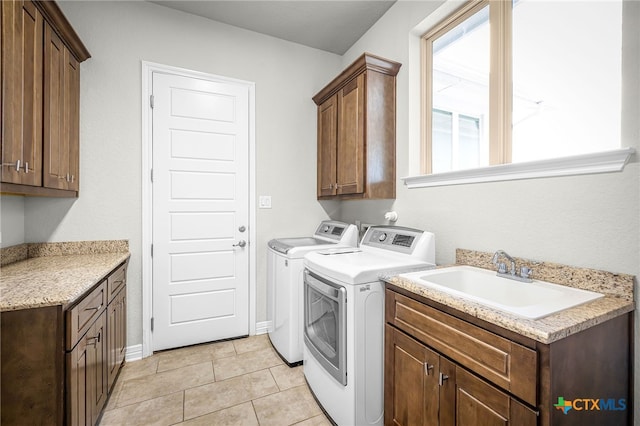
x: 264, y: 202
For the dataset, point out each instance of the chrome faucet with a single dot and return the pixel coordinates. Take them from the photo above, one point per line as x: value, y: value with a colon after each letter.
x: 502, y: 268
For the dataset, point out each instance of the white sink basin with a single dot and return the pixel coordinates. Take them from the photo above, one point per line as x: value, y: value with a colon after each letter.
x: 529, y: 300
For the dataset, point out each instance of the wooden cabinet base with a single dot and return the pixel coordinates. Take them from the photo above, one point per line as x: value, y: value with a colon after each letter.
x: 32, y: 354
x: 443, y: 368
x: 58, y: 366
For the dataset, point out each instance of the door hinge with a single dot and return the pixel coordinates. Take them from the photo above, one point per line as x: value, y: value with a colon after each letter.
x: 151, y: 175
x: 151, y: 323
x: 151, y: 250
x: 151, y: 100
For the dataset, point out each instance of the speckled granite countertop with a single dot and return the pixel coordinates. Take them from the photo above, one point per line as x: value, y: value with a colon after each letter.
x: 618, y: 300
x: 51, y: 274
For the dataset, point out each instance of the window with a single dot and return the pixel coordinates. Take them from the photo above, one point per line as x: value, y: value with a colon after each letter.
x: 456, y: 141
x: 512, y: 82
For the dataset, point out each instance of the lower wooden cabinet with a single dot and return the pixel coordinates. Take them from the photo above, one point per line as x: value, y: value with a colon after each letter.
x: 59, y: 365
x: 425, y: 388
x: 444, y: 367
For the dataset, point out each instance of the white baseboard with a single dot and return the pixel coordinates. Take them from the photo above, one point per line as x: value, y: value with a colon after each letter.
x: 134, y: 353
x: 263, y: 327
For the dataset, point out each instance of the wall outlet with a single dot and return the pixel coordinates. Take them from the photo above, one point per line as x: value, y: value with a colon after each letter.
x: 264, y: 202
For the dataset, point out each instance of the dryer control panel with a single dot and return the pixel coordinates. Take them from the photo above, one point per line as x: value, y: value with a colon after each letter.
x: 413, y: 242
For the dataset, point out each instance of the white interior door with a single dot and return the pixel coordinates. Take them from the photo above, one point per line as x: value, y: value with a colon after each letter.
x: 200, y: 214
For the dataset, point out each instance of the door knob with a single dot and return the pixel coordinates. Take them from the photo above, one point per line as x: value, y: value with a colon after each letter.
x: 240, y: 243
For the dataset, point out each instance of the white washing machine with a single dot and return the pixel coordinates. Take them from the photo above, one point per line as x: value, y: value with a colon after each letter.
x: 344, y: 319
x: 284, y: 283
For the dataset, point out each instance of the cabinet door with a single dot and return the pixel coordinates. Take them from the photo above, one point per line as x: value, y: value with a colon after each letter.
x: 351, y: 137
x: 116, y: 340
x: 98, y: 351
x: 22, y: 27
x: 87, y: 375
x: 411, y: 381
x: 466, y: 400
x: 327, y: 139
x: 78, y: 385
x: 61, y: 114
x: 71, y: 118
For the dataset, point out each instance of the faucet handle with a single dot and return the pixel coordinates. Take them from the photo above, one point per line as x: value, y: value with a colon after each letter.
x: 525, y: 272
x: 502, y: 268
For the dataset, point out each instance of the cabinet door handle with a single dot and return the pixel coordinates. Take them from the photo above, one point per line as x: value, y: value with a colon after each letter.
x: 26, y: 167
x: 442, y: 378
x: 93, y: 308
x: 17, y: 165
x: 427, y: 367
x: 93, y: 340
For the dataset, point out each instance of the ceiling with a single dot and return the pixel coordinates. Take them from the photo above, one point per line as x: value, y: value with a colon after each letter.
x: 333, y: 26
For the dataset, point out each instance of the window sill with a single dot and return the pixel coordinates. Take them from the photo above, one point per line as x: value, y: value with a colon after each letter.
x: 600, y: 162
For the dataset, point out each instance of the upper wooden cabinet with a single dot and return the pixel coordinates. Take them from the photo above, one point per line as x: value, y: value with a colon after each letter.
x: 22, y: 29
x: 41, y: 54
x: 357, y: 131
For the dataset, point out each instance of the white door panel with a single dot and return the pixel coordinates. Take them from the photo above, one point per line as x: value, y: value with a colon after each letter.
x: 200, y: 203
x: 202, y: 145
x: 190, y: 226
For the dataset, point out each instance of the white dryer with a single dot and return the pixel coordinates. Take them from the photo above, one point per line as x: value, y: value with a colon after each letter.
x: 344, y: 319
x: 285, y: 266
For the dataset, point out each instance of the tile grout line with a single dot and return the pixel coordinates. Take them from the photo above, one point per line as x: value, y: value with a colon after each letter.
x: 274, y: 380
x: 184, y: 400
x: 255, y: 413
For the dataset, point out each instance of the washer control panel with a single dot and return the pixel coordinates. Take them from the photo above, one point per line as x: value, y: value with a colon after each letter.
x: 331, y: 229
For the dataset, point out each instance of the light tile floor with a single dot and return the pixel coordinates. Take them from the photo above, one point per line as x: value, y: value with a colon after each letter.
x: 237, y: 382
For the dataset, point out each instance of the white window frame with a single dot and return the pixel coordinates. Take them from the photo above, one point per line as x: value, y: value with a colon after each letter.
x: 592, y: 163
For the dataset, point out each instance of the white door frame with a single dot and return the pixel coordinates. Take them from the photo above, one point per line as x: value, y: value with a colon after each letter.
x: 148, y: 68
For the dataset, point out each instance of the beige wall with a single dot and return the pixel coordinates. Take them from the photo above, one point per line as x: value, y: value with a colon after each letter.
x: 12, y: 220
x: 590, y: 221
x: 119, y: 36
